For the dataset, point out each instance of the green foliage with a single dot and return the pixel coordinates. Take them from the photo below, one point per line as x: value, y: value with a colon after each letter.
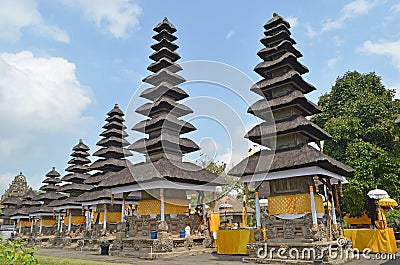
x: 359, y: 113
x: 13, y: 252
x: 393, y: 219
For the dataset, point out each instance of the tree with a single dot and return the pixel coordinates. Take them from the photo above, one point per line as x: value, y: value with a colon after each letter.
x: 359, y: 113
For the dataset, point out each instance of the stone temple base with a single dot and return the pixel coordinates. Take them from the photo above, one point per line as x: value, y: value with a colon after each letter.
x: 327, y: 252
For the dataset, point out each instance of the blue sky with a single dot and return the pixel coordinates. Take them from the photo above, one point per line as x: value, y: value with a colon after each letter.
x: 65, y: 63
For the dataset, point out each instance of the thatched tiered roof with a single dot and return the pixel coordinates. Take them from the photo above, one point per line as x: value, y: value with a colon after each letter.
x: 285, y: 132
x: 50, y: 188
x: 112, y: 152
x: 164, y: 126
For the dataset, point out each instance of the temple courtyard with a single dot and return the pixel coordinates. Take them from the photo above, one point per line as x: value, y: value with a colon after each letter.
x: 212, y: 258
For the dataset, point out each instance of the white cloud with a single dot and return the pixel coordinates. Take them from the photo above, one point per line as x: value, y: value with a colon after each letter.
x: 310, y: 31
x: 332, y: 62
x: 229, y: 34
x: 293, y: 21
x: 338, y: 41
x: 5, y: 180
x: 391, y: 49
x: 349, y: 11
x: 18, y: 15
x: 38, y: 95
x: 395, y: 8
x: 118, y: 17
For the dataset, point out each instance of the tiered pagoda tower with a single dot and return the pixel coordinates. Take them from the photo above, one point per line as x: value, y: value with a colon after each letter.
x: 291, y: 168
x: 164, y: 126
x: 44, y: 214
x: 25, y: 206
x: 162, y: 181
x: 112, y: 159
x: 78, y: 173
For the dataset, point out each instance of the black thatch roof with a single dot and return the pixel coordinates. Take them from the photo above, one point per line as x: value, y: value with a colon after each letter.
x: 7, y: 212
x: 98, y: 177
x: 166, y: 142
x: 80, y: 146
x: 75, y: 187
x: 111, y: 163
x: 11, y: 200
x: 165, y: 25
x: 97, y: 195
x: 291, y: 77
x: 162, y: 169
x: 285, y: 45
x: 29, y: 203
x: 115, y: 111
x: 53, y: 173
x: 112, y: 151
x: 295, y: 124
x: 48, y: 196
x: 49, y: 187
x: 275, y: 21
x: 297, y: 157
x: 294, y: 98
x: 164, y: 89
x: 63, y: 202
x: 167, y: 122
x: 113, y: 141
x: 279, y: 36
x: 287, y: 59
x: 29, y: 194
x: 165, y: 40
x: 165, y: 104
x: 164, y: 75
x: 273, y: 30
x: 79, y: 160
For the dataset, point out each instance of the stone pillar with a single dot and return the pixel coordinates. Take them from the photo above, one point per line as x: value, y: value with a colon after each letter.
x: 105, y: 217
x: 162, y: 210
x: 334, y: 222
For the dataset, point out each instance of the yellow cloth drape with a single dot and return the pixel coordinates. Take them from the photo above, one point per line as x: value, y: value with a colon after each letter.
x: 365, y: 220
x: 234, y: 241
x: 112, y: 217
x: 291, y: 204
x: 76, y: 220
x: 49, y: 222
x: 171, y: 206
x: 24, y: 223
x: 214, y: 222
x: 95, y: 216
x: 362, y: 220
x: 379, y: 241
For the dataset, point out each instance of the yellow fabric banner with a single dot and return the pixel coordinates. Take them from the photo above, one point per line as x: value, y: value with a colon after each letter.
x: 171, y: 206
x: 214, y: 222
x: 365, y: 220
x: 76, y: 220
x: 379, y: 241
x: 234, y: 241
x: 49, y: 222
x: 112, y: 217
x: 291, y: 204
x: 24, y: 223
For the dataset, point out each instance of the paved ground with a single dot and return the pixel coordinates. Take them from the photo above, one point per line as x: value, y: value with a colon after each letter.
x: 200, y: 259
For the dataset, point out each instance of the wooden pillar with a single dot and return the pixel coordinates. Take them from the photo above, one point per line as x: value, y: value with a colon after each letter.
x: 59, y: 222
x: 162, y: 210
x: 105, y: 217
x: 20, y: 226
x: 258, y: 211
x: 123, y: 211
x: 69, y: 220
x: 313, y: 209
x: 244, y: 210
x: 40, y: 224
x: 32, y: 224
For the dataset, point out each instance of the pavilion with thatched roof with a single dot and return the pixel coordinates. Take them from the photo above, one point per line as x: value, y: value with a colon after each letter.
x: 290, y: 169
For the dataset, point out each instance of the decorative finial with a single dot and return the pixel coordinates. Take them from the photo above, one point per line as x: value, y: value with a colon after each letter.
x: 165, y: 19
x: 275, y: 14
x: 116, y: 105
x: 54, y: 168
x: 20, y: 173
x: 80, y: 141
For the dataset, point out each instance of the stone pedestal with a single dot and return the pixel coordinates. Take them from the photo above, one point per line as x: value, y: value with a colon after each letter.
x: 163, y: 243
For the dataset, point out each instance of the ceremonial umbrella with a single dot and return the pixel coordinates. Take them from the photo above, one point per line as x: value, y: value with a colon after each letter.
x: 378, y: 194
x: 387, y: 202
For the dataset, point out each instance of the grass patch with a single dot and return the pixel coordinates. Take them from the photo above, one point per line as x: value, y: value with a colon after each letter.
x: 44, y: 260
